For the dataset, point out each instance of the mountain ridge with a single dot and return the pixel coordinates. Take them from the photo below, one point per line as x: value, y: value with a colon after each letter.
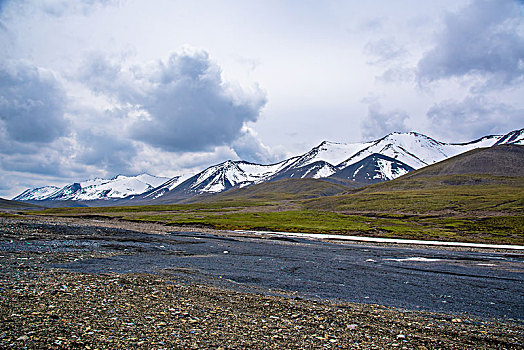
x: 118, y: 187
x: 403, y: 152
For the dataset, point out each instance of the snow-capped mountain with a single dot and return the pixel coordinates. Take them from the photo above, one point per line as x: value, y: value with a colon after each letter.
x: 381, y: 160
x: 330, y: 152
x: 37, y: 194
x: 218, y: 178
x: 225, y: 175
x: 118, y: 187
x: 167, y: 186
x: 416, y: 150
x: 384, y: 159
x: 368, y: 162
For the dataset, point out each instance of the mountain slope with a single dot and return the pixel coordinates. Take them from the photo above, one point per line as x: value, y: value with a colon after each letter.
x: 215, y: 179
x: 329, y: 152
x: 500, y: 160
x: 488, y: 181
x: 39, y: 193
x: 159, y: 191
x: 315, y: 170
x: 15, y: 205
x: 512, y: 138
x: 496, y: 165
x: 372, y: 169
x: 285, y: 189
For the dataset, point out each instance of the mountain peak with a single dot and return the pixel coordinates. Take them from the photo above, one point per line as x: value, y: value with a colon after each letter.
x: 329, y: 143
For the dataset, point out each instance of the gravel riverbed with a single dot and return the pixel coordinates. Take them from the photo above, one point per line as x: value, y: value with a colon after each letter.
x: 43, y: 307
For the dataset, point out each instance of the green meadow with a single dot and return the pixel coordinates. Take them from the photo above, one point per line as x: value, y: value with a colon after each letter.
x: 484, y: 213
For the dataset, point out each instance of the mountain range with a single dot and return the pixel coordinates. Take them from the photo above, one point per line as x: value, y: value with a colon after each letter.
x: 384, y: 159
x: 116, y: 188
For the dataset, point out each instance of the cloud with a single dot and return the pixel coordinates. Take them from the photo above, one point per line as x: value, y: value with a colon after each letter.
x: 184, y: 104
x: 473, y: 117
x: 32, y: 104
x: 173, y: 115
x: 54, y: 8
x: 483, y: 40
x: 397, y: 73
x: 384, y: 50
x: 249, y: 147
x: 378, y: 123
x: 393, y: 57
x: 105, y: 150
x: 58, y: 8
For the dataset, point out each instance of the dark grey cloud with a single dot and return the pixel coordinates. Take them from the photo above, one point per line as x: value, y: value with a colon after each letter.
x: 473, y: 117
x: 36, y: 137
x: 105, y: 150
x: 101, y: 75
x: 44, y: 159
x: 379, y: 123
x: 483, y: 39
x: 185, y: 104
x: 36, y: 163
x: 32, y: 104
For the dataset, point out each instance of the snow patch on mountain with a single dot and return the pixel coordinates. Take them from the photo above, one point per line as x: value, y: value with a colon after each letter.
x: 513, y: 138
x: 387, y: 171
x: 324, y: 171
x: 374, y: 168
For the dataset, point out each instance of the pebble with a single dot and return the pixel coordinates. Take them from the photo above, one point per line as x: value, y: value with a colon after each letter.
x: 51, y: 308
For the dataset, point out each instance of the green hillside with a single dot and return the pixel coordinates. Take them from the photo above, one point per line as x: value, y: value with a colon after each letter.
x: 286, y: 189
x: 444, y: 201
x: 14, y: 205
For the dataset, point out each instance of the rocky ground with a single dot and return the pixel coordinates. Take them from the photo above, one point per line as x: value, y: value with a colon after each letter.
x: 42, y: 307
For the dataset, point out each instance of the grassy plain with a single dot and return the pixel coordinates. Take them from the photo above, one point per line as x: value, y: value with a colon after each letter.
x: 474, y: 213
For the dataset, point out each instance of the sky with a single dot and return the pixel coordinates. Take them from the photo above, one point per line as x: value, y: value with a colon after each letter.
x: 97, y: 88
